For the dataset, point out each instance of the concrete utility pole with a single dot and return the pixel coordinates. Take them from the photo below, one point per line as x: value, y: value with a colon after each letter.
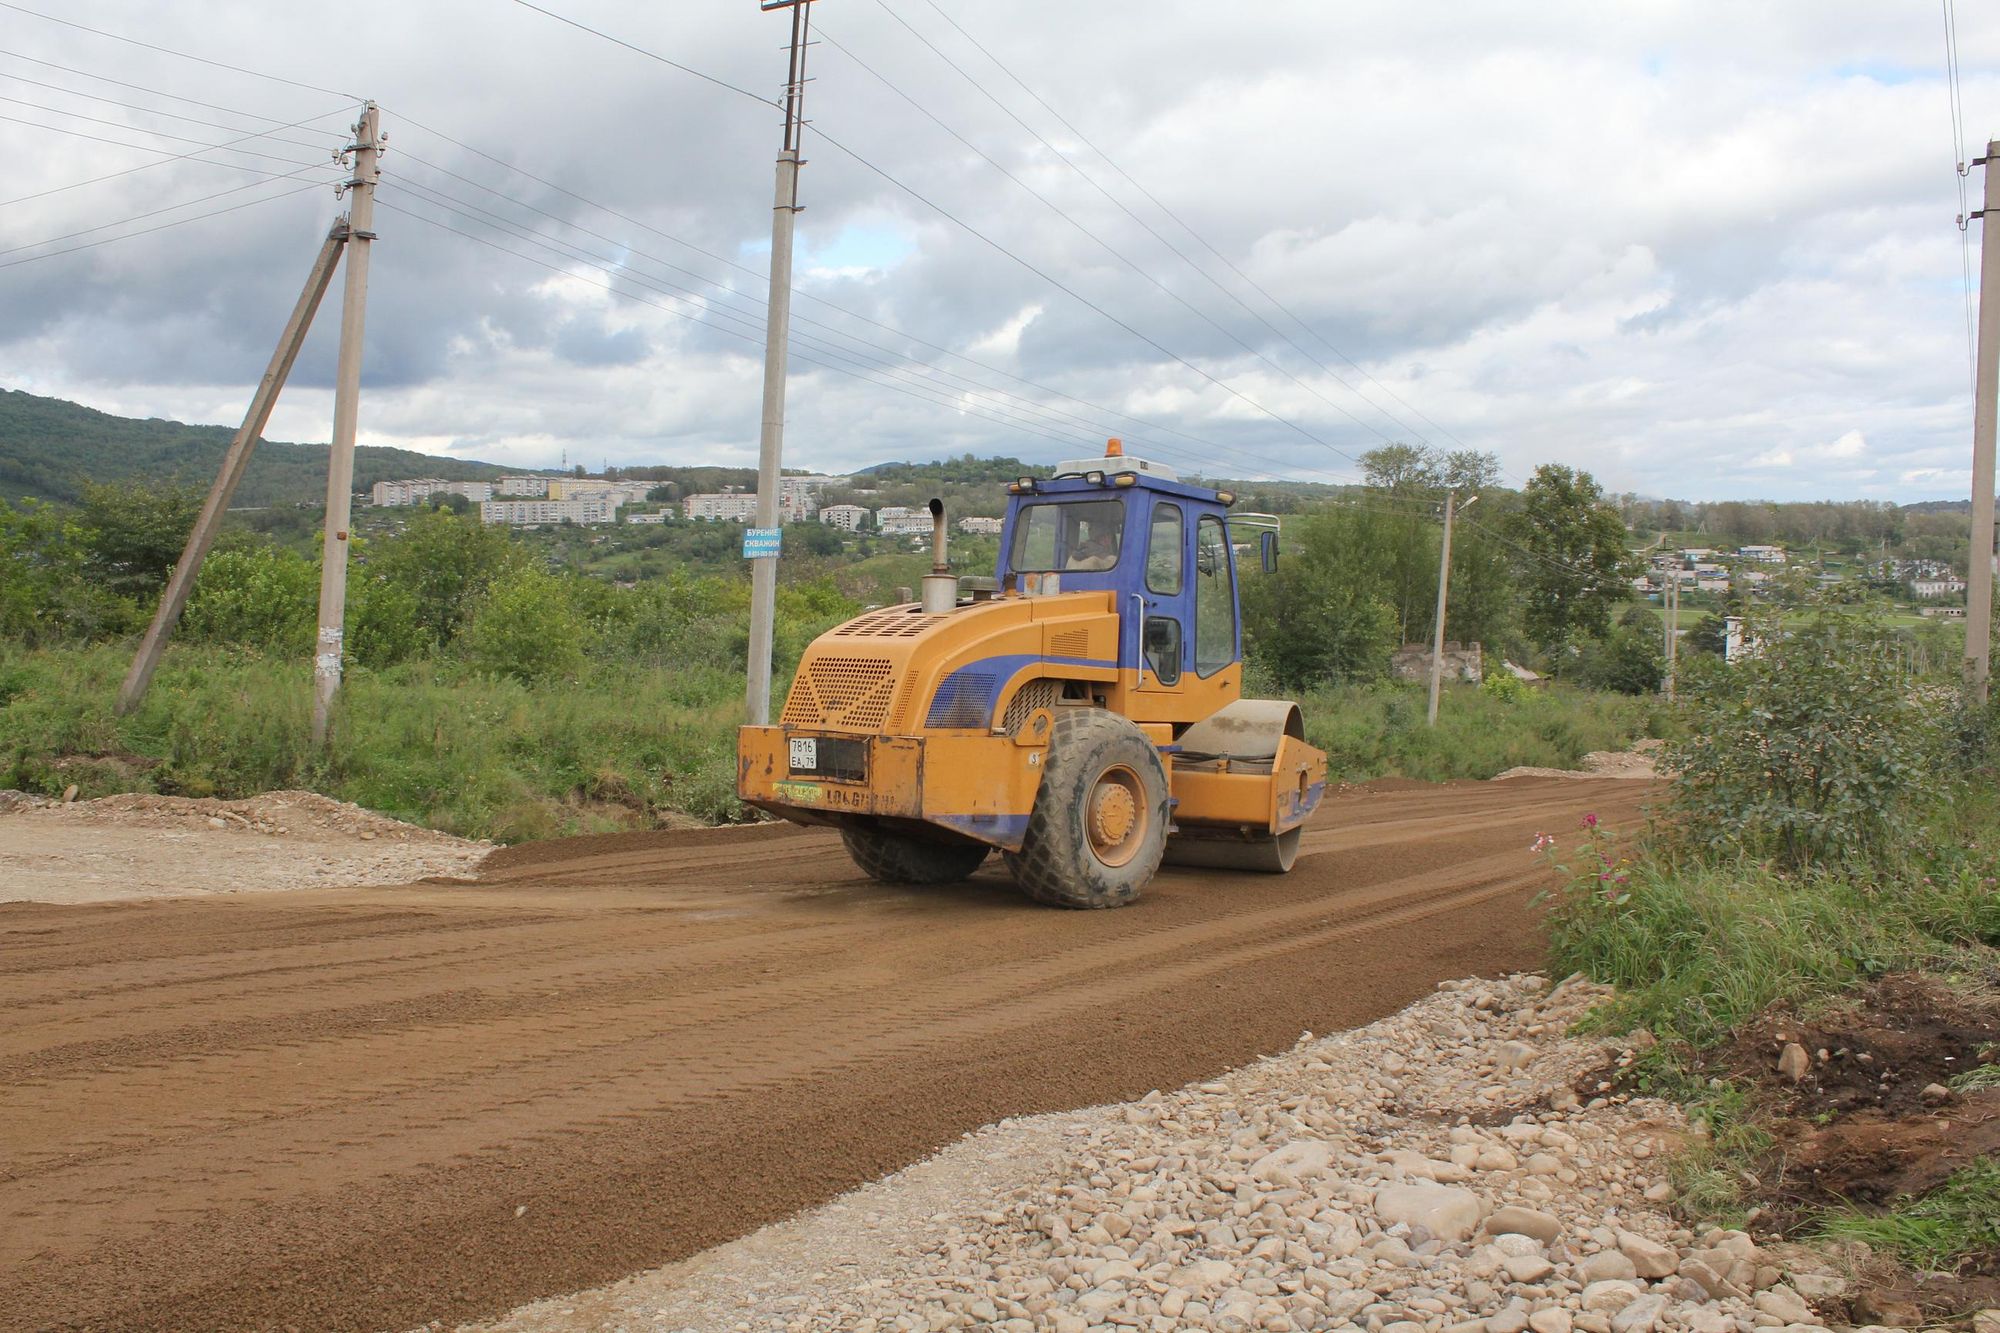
x: 1444, y: 584
x: 367, y: 149
x: 1986, y: 380
x: 1673, y: 619
x: 771, y: 444
x: 174, y: 599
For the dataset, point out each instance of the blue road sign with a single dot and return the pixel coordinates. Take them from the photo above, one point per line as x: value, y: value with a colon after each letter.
x: 761, y: 542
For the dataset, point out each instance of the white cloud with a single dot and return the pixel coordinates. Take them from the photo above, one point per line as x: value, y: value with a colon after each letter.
x: 1698, y: 248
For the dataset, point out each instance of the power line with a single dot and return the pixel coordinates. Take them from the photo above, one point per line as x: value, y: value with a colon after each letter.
x: 693, y: 318
x: 1185, y: 225
x: 139, y: 87
x: 178, y: 222
x: 168, y: 50
x: 1148, y: 425
x: 141, y: 129
x: 962, y: 224
x: 960, y: 383
x: 193, y: 154
x: 1002, y: 414
x: 169, y: 208
x: 153, y: 111
x: 1147, y: 227
x: 1955, y: 97
x: 673, y: 291
x: 617, y: 41
x: 650, y: 55
x: 1117, y: 254
x: 120, y: 143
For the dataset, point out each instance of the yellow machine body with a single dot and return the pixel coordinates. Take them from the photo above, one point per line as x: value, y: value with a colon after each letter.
x: 885, y: 700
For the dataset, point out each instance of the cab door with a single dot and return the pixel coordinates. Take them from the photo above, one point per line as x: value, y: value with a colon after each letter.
x: 1165, y: 599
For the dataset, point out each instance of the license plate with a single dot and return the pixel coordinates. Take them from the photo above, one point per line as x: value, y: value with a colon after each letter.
x: 805, y: 753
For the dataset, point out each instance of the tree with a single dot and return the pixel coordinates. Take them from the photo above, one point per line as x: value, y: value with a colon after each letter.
x: 1574, y: 565
x: 444, y: 562
x: 132, y: 534
x: 45, y: 596
x: 1403, y: 469
x: 1321, y: 616
x: 1470, y: 471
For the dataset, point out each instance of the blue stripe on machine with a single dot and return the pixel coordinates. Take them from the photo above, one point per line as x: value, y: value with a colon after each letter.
x: 997, y: 830
x: 966, y: 698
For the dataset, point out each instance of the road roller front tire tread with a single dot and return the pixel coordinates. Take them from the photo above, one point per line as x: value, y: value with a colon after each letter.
x: 1056, y: 864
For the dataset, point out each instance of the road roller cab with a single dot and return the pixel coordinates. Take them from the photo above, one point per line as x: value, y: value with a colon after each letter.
x: 1084, y: 716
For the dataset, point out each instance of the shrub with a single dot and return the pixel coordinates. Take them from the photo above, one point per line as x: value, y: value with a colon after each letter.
x: 260, y: 596
x: 1628, y: 660
x: 1814, y: 749
x: 525, y: 626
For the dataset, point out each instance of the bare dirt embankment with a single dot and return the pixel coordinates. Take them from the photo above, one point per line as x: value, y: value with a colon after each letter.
x: 367, y: 1108
x: 143, y: 846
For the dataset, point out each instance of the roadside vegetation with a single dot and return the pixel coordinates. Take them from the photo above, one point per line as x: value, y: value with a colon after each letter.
x: 521, y: 684
x: 1826, y: 865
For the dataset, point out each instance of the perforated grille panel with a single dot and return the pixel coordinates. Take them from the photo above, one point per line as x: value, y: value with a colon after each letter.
x: 895, y: 621
x: 843, y: 693
x: 1035, y: 694
x: 964, y: 699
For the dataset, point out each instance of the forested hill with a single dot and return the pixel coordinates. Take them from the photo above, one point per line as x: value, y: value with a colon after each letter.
x: 50, y: 448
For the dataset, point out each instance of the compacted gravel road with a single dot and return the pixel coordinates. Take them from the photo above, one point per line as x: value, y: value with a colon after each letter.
x: 372, y: 1108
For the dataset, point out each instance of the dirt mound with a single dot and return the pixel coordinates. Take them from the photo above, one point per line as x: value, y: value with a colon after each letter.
x: 280, y: 812
x: 143, y: 846
x: 1873, y: 1118
x: 1641, y: 761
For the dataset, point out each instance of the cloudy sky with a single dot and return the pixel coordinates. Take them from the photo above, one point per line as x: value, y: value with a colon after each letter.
x: 1703, y: 249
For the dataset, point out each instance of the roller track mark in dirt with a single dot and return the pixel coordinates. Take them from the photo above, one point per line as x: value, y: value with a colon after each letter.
x: 323, y: 1108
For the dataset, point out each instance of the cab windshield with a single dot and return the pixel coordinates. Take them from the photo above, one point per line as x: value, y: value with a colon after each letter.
x: 1083, y: 535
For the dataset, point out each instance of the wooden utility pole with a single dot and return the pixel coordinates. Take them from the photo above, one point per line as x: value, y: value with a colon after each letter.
x: 346, y: 402
x: 174, y: 599
x: 1444, y: 584
x: 777, y: 327
x: 1986, y: 381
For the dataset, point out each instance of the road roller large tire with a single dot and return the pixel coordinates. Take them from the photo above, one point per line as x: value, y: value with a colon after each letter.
x: 895, y: 858
x: 1099, y: 825
x: 1268, y: 853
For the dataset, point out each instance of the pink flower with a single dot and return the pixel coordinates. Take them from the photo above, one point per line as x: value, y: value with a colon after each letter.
x: 1590, y: 821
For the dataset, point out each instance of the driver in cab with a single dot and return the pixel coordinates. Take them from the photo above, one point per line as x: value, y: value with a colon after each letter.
x: 1097, y: 549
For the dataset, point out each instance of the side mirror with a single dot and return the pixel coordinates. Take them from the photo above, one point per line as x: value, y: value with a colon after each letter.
x: 1267, y: 548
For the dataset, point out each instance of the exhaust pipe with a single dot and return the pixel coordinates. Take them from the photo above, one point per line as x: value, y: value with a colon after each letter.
x: 940, y: 585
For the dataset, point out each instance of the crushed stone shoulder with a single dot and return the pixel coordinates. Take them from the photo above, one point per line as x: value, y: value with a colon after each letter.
x: 1438, y: 1171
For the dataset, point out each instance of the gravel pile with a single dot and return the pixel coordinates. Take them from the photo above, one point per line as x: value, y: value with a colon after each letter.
x: 1437, y: 1172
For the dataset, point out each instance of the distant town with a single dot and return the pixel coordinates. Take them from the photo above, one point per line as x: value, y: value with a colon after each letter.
x: 537, y: 501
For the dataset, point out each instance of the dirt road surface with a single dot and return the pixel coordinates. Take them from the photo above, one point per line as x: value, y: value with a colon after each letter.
x: 371, y: 1108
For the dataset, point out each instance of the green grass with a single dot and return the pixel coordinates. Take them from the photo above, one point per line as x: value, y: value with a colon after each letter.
x: 1373, y: 731
x: 623, y: 745
x: 431, y: 743
x: 1982, y: 1079
x: 1697, y: 950
x: 1936, y: 1232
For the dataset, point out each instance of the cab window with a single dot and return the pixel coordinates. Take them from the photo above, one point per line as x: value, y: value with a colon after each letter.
x: 1082, y: 536
x: 1214, y: 599
x: 1163, y: 550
